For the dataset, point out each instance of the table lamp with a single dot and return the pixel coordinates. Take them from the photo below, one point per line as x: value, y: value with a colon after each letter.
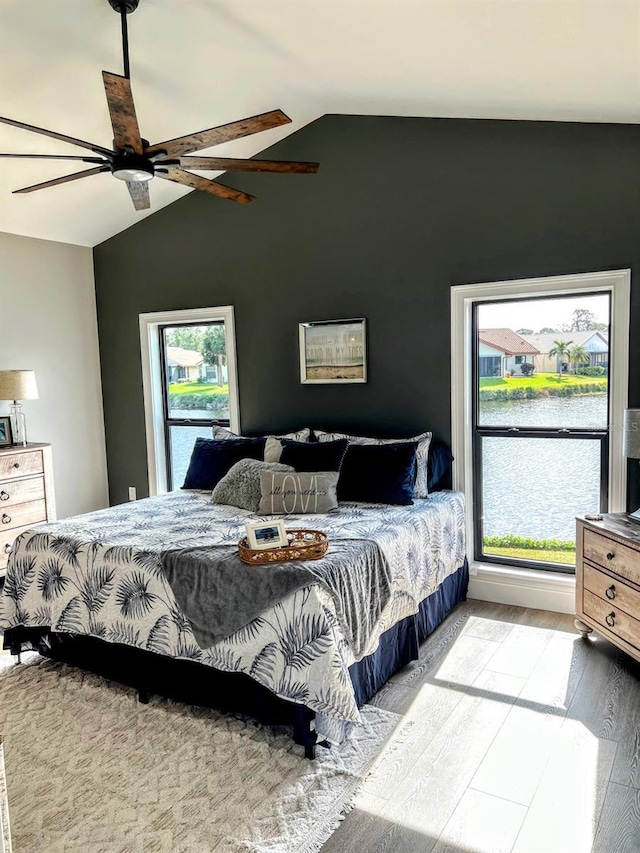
x: 631, y: 445
x: 16, y: 385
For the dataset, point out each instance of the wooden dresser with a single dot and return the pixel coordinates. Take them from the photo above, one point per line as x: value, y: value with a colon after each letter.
x: 608, y: 580
x: 26, y: 493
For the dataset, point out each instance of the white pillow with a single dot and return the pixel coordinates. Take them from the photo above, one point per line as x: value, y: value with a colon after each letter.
x: 221, y: 433
x: 421, y: 488
x: 272, y: 449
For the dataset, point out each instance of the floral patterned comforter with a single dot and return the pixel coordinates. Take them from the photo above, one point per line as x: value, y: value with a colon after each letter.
x: 101, y: 574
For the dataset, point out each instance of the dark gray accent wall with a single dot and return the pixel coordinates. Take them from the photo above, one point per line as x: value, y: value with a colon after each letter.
x: 401, y: 209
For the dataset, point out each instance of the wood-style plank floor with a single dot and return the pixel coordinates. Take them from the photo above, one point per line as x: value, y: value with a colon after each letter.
x: 524, y: 739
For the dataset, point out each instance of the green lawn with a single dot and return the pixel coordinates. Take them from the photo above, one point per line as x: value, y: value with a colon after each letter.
x: 546, y: 380
x: 533, y: 554
x: 207, y: 388
x: 526, y: 548
x: 568, y: 557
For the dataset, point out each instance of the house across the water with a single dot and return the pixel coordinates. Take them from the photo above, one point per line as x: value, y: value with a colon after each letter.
x: 595, y: 342
x: 502, y: 352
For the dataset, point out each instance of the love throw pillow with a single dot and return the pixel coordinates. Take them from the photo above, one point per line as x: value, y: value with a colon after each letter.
x: 286, y: 494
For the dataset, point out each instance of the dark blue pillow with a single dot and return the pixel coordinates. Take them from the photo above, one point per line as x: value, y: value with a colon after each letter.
x: 211, y: 459
x: 439, y: 466
x: 314, y: 456
x: 379, y: 473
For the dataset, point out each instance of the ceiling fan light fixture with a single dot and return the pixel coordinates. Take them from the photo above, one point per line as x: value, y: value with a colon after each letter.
x: 132, y: 168
x: 133, y: 174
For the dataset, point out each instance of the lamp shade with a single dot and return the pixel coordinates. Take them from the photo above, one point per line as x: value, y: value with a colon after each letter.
x: 631, y: 446
x: 18, y: 385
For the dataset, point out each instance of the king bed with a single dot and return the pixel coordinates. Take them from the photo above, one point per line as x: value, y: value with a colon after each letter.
x: 105, y: 592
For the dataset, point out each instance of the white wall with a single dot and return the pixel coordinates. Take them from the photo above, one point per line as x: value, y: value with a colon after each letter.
x: 48, y: 324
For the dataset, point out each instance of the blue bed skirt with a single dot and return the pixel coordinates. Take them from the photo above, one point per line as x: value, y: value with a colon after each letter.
x: 399, y: 645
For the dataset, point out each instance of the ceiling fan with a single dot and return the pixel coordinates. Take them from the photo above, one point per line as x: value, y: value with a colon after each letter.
x: 134, y: 161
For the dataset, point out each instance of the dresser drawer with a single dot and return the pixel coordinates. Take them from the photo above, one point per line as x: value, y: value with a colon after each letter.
x: 14, y: 465
x: 619, y: 622
x: 7, y: 538
x: 611, y: 590
x: 613, y: 555
x: 14, y: 492
x: 22, y: 514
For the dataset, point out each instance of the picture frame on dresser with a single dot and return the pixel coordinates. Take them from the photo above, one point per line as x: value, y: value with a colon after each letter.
x: 6, y: 438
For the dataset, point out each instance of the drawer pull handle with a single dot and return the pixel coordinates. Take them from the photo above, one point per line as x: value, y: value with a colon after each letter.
x: 4, y: 496
x: 7, y: 548
x: 610, y: 592
x: 611, y: 619
x: 6, y: 519
x: 16, y: 465
x: 610, y: 555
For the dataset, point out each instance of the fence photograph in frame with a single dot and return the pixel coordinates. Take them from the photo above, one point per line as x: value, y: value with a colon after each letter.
x: 333, y: 351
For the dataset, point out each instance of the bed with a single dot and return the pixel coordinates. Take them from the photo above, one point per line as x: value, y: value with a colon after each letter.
x: 92, y: 590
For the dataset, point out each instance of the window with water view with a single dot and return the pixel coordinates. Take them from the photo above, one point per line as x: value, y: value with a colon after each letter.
x: 540, y: 425
x: 196, y: 390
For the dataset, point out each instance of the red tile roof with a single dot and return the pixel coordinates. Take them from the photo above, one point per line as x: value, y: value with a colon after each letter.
x: 508, y: 341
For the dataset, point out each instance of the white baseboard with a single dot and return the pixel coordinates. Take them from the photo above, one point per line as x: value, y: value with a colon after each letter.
x: 523, y: 588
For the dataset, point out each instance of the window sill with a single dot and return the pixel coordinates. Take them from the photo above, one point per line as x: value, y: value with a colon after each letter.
x: 541, y: 590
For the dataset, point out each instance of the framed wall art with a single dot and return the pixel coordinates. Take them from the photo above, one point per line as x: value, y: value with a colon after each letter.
x: 333, y: 351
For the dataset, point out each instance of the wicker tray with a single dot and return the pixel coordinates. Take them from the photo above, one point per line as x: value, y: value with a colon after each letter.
x: 303, y: 545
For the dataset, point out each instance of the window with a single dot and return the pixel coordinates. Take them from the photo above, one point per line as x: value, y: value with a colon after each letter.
x: 189, y: 380
x: 528, y: 459
x: 195, y: 389
x: 540, y: 438
x: 490, y: 365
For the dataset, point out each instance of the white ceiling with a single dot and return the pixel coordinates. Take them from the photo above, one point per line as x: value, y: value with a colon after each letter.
x: 199, y: 63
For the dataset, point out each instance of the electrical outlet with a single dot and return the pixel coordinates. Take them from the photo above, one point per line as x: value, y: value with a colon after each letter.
x: 473, y: 570
x: 132, y: 493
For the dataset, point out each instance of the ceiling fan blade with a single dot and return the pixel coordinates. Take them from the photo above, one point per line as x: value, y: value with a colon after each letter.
x: 139, y: 192
x: 216, y: 135
x: 52, y: 133
x: 58, y: 157
x: 64, y: 179
x: 179, y: 176
x: 122, y: 111
x: 229, y: 164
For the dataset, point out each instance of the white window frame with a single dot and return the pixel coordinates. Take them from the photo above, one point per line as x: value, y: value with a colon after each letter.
x: 152, y: 380
x: 494, y: 582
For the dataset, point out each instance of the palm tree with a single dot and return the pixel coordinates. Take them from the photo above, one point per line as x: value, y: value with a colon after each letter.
x: 561, y: 351
x: 578, y: 355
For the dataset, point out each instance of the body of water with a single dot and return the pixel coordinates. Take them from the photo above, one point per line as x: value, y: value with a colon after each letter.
x: 535, y: 487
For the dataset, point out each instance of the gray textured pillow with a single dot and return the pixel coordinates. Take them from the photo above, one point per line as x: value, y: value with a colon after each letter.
x: 241, y: 485
x: 224, y: 433
x: 284, y: 494
x: 421, y: 488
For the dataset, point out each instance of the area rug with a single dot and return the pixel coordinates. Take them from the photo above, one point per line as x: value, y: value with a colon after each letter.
x: 90, y: 770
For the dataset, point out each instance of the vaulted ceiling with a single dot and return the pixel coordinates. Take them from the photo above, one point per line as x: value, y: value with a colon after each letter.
x: 199, y: 63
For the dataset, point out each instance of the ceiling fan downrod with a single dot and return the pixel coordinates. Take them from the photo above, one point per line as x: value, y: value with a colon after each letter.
x: 124, y: 8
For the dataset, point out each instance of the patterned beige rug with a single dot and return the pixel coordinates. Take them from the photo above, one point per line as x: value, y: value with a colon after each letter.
x: 90, y: 770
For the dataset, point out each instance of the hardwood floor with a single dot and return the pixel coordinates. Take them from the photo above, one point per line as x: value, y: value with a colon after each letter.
x: 524, y: 739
